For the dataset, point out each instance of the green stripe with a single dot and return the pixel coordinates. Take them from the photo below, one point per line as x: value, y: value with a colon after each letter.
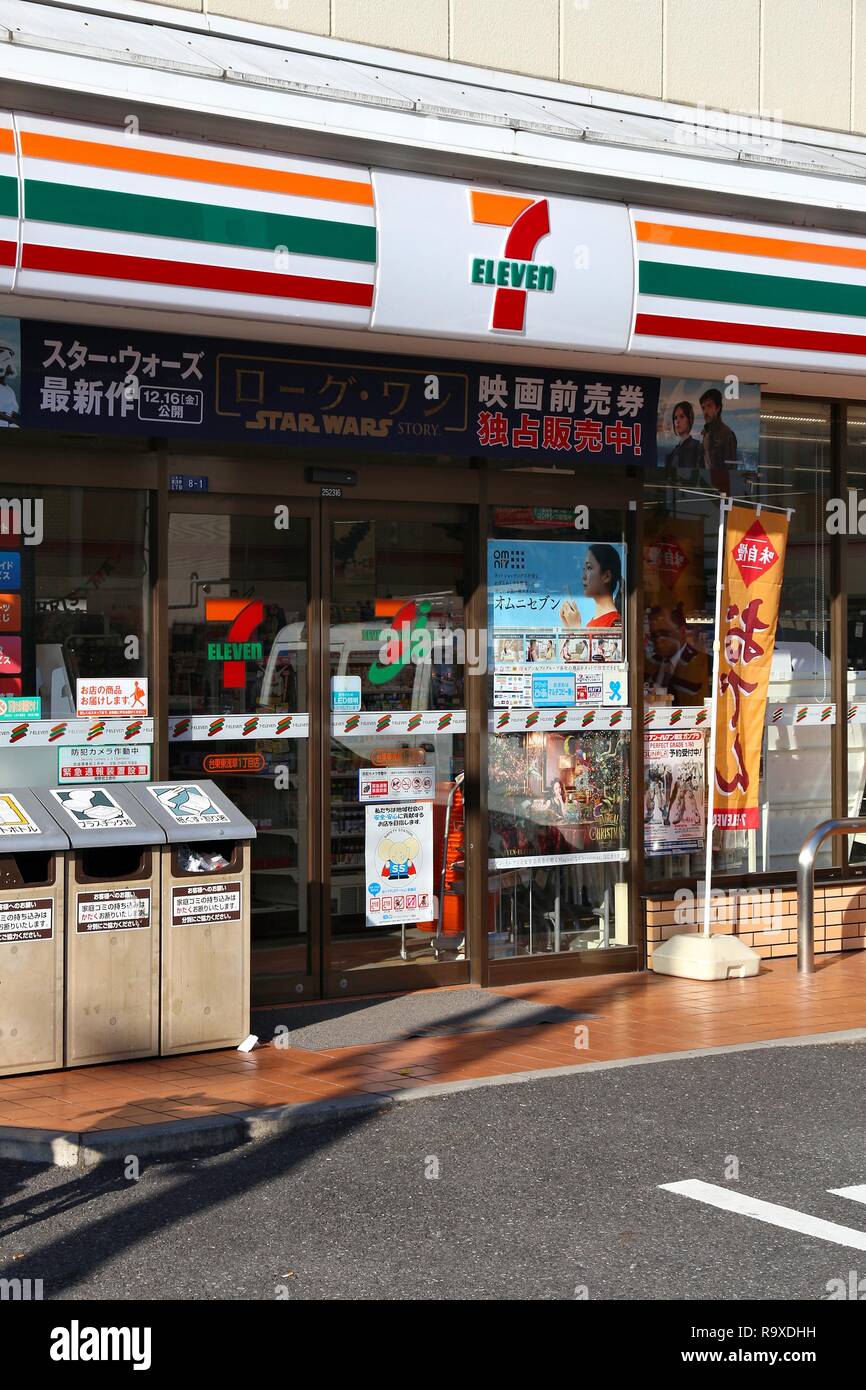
x: 741, y: 287
x: 8, y: 195
x: 172, y: 217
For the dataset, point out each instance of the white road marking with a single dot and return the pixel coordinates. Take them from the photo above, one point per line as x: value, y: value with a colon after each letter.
x: 769, y: 1212
x: 854, y: 1194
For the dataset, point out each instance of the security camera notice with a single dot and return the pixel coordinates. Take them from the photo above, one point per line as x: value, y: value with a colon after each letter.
x: 27, y: 919
x: 206, y: 902
x: 114, y: 909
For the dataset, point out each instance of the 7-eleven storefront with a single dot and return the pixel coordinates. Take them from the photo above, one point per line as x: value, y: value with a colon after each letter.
x: 410, y: 540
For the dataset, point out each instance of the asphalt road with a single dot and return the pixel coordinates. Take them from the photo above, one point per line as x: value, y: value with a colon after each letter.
x: 544, y: 1188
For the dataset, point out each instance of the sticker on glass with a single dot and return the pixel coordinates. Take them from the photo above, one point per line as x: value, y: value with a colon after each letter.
x: 187, y: 804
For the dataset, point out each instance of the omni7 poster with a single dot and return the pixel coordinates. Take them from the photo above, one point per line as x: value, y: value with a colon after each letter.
x: 556, y: 620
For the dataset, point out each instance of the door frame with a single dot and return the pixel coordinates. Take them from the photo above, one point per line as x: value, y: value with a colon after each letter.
x: 241, y: 485
x: 307, y: 985
x: 529, y: 486
x: 406, y: 976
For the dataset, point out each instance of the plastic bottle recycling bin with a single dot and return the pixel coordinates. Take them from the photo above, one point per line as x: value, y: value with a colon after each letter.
x: 112, y: 922
x: 32, y: 854
x: 205, y: 915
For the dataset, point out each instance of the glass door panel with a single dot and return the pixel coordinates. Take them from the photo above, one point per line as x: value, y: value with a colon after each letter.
x: 558, y: 753
x: 238, y: 707
x: 395, y: 674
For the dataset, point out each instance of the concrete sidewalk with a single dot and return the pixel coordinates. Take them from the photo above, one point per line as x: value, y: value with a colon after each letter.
x: 177, y: 1104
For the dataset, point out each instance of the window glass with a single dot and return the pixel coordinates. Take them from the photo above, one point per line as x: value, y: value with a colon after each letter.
x: 852, y: 525
x: 558, y: 796
x: 74, y: 605
x: 679, y: 568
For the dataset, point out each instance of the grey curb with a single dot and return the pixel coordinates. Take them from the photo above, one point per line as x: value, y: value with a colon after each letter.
x: 179, y: 1138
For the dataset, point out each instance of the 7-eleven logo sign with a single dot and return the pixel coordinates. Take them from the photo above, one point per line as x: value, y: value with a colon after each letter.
x: 243, y: 616
x: 515, y: 273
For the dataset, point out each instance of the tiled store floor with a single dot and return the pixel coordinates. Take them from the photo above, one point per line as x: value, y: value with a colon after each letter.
x: 628, y: 1016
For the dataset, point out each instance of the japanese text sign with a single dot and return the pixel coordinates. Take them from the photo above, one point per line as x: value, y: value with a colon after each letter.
x: 122, y: 382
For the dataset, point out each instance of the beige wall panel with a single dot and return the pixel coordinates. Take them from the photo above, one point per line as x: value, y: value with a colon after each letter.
x: 310, y: 16
x: 615, y: 44
x: 806, y: 61
x: 712, y: 53
x: 858, y: 96
x: 418, y: 26
x: 507, y: 34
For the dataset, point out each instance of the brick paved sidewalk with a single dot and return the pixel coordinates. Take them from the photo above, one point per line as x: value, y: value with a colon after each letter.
x: 629, y: 1016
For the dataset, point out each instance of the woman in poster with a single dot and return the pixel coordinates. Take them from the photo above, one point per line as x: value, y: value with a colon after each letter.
x: 560, y: 804
x: 602, y: 582
x: 687, y: 455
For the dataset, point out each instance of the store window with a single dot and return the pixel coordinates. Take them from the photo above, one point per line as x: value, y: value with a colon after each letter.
x: 238, y: 591
x: 852, y: 526
x: 558, y: 770
x: 679, y: 573
x: 398, y: 582
x: 74, y: 606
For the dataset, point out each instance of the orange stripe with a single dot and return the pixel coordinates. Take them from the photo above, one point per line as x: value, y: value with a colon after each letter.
x: 498, y: 209
x: 744, y: 244
x: 7, y: 142
x: 223, y: 610
x: 181, y: 166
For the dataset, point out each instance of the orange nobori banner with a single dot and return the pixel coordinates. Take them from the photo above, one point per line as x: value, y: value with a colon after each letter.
x: 754, y: 563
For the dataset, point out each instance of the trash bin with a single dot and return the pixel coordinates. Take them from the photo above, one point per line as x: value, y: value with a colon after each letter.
x: 112, y: 923
x: 205, y: 915
x: 32, y: 850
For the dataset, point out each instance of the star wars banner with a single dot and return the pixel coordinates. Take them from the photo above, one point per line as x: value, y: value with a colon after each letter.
x: 754, y: 562
x: 121, y: 381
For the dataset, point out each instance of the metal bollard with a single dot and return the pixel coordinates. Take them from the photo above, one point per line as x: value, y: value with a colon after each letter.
x: 806, y: 886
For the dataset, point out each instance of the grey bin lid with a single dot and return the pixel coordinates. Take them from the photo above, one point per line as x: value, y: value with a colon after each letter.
x: 193, y: 810
x: 20, y: 808
x: 96, y: 817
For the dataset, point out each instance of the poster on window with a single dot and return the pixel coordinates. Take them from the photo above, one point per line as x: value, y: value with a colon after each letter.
x: 754, y: 562
x: 398, y: 851
x: 10, y: 373
x: 556, y: 621
x: 677, y: 631
x: 708, y: 433
x: 674, y: 791
x: 554, y: 797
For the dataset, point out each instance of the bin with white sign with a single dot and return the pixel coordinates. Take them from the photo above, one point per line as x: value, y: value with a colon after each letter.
x: 205, y: 885
x: 112, y: 923
x: 32, y: 855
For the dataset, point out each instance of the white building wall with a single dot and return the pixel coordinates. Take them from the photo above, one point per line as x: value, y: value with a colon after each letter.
x: 801, y: 60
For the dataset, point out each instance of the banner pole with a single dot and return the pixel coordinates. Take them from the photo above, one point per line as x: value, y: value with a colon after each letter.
x: 724, y: 504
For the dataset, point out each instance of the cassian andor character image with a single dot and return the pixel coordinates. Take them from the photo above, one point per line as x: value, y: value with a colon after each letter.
x: 602, y: 582
x: 687, y: 455
x: 397, y: 852
x: 718, y: 439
